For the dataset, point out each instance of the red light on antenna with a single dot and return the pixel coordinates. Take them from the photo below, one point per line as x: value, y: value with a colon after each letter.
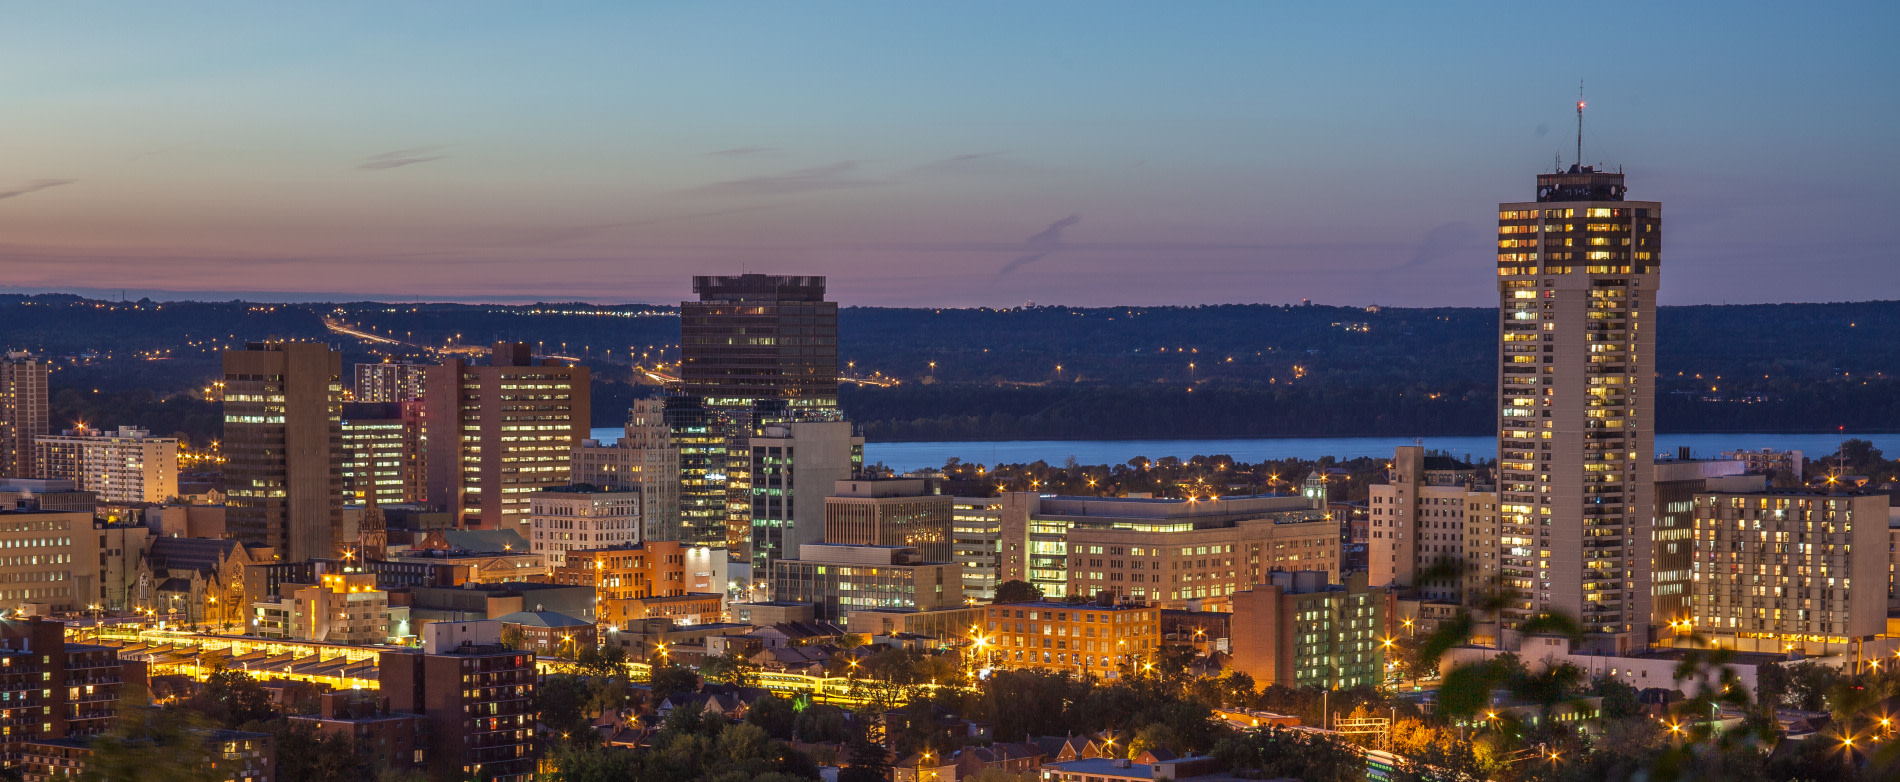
x: 1579, y: 105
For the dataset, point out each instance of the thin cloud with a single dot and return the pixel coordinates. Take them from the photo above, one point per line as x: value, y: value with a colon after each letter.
x: 399, y: 158
x: 34, y: 187
x: 973, y: 165
x: 836, y: 176
x: 1041, y: 245
x: 1448, y: 242
x: 557, y: 235
x: 742, y: 152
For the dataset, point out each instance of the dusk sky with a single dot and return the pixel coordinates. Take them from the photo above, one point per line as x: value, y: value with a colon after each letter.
x: 930, y: 154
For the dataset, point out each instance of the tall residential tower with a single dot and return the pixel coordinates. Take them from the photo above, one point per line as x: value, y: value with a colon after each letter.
x: 1578, y: 270
x: 24, y: 413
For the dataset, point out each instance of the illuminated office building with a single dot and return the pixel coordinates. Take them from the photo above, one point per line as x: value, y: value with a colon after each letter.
x: 283, y: 442
x: 382, y: 453
x: 645, y: 460
x: 755, y: 349
x: 390, y: 382
x: 794, y: 466
x: 500, y: 432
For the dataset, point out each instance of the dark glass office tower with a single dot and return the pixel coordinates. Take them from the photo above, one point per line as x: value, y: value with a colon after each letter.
x: 758, y: 336
x: 755, y: 349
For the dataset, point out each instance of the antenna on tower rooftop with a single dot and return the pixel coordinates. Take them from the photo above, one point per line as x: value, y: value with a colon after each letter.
x: 1579, y: 124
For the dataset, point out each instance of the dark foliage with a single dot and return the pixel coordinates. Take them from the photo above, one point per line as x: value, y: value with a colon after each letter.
x: 1017, y: 592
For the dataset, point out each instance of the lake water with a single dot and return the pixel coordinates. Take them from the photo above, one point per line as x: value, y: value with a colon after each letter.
x: 911, y: 456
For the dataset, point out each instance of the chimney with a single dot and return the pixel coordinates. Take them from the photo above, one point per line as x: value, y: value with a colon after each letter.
x: 1682, y: 453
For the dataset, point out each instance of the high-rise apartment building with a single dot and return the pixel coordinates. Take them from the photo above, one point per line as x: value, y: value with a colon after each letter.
x: 644, y: 460
x: 1677, y: 483
x: 390, y: 382
x: 125, y: 465
x: 580, y: 517
x: 382, y: 453
x: 283, y: 443
x: 794, y: 465
x: 891, y: 512
x: 1791, y: 570
x: 754, y: 349
x: 24, y: 412
x: 55, y: 689
x: 501, y: 432
x: 479, y: 703
x: 1428, y: 518
x: 1578, y: 270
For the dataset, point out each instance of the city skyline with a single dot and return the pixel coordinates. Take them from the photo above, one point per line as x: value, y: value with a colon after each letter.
x: 1239, y: 154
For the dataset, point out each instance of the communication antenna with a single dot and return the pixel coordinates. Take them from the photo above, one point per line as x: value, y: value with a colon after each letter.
x: 1579, y: 124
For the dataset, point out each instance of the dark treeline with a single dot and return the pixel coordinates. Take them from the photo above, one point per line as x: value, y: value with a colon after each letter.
x: 1061, y: 372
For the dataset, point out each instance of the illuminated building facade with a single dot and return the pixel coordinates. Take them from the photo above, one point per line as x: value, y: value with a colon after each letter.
x: 501, y: 432
x: 976, y: 537
x: 478, y: 700
x: 1161, y: 551
x: 1300, y: 630
x: 341, y: 608
x: 51, y: 561
x: 126, y: 465
x: 645, y: 460
x: 390, y: 382
x: 1791, y: 570
x: 837, y: 580
x: 1428, y: 514
x: 1578, y: 270
x: 382, y: 453
x: 582, y: 516
x: 1082, y: 638
x: 759, y: 336
x: 794, y: 466
x: 56, y: 690
x: 649, y: 579
x: 1677, y: 483
x: 24, y: 411
x: 755, y: 349
x: 891, y: 512
x: 283, y: 441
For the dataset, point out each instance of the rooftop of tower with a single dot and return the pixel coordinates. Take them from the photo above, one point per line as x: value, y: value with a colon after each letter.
x: 1581, y: 183
x: 759, y: 287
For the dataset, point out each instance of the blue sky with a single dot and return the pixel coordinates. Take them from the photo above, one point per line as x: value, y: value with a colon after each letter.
x: 930, y: 155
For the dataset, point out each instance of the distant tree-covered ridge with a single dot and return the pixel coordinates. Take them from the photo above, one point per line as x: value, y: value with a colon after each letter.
x: 1035, y: 372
